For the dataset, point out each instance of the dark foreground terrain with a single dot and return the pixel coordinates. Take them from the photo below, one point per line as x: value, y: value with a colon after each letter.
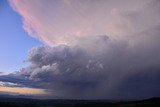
x: 23, y: 102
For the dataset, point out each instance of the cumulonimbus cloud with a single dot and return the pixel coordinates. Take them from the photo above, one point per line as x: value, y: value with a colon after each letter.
x: 63, y: 22
x: 119, y: 71
x: 107, y: 52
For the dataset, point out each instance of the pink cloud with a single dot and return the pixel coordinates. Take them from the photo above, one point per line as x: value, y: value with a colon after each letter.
x: 61, y: 21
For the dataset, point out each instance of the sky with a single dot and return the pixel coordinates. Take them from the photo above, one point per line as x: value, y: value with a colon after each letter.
x: 14, y: 42
x: 81, y: 49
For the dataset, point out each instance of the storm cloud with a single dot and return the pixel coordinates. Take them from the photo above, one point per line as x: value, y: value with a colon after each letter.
x: 96, y: 52
x: 119, y: 71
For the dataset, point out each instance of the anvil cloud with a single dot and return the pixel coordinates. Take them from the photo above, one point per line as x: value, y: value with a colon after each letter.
x: 63, y: 21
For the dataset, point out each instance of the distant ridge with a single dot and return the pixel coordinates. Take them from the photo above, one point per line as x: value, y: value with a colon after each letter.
x: 6, y: 101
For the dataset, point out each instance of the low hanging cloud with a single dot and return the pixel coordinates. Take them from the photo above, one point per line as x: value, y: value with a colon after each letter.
x: 94, y: 49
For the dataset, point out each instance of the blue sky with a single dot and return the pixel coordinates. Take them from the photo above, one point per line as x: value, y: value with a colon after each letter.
x: 14, y: 42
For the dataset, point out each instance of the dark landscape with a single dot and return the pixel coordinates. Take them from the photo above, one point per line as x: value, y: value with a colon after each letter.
x: 24, y: 102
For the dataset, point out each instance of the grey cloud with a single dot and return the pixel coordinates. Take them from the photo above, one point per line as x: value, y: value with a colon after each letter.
x: 116, y: 69
x: 9, y: 84
x: 16, y: 80
x: 103, y: 66
x: 119, y: 71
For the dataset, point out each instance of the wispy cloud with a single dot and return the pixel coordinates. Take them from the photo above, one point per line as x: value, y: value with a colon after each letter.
x: 18, y: 85
x: 22, y: 90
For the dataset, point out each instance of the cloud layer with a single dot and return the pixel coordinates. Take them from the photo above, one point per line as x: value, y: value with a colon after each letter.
x: 97, y: 49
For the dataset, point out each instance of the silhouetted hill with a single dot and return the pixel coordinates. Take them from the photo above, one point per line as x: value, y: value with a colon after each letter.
x: 26, y: 102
